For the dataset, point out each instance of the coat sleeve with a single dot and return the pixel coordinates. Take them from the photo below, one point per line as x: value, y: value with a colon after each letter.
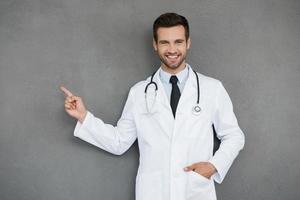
x: 114, y: 139
x: 228, y: 131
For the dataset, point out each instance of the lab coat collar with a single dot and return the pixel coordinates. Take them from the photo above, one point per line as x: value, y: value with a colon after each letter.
x: 189, y: 90
x: 190, y: 85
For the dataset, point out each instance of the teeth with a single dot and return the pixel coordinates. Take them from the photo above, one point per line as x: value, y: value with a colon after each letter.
x: 172, y: 56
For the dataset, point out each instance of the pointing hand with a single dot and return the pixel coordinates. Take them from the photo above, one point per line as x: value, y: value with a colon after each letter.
x: 74, y: 105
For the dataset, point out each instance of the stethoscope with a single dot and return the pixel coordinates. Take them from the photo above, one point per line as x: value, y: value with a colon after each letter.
x: 196, y: 109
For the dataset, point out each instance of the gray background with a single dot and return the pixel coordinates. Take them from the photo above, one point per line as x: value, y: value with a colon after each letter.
x: 98, y: 49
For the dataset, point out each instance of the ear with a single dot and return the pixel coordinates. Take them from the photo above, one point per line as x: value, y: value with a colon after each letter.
x: 154, y: 44
x: 188, y: 43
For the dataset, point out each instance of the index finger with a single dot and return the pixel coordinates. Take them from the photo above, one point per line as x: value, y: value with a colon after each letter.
x: 67, y: 92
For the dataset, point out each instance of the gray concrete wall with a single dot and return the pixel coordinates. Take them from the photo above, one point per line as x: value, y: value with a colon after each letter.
x: 99, y: 48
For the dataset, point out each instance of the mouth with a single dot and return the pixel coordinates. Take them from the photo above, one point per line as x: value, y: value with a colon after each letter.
x: 172, y: 58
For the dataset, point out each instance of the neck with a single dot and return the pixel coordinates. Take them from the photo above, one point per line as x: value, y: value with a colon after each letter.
x: 174, y: 70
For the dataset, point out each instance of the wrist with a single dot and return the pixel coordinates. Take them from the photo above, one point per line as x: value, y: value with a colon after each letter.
x: 214, y: 169
x: 82, y: 117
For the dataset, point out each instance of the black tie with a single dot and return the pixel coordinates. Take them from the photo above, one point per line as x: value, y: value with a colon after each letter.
x: 175, y: 94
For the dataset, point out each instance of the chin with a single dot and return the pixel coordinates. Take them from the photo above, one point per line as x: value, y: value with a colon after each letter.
x: 174, y: 65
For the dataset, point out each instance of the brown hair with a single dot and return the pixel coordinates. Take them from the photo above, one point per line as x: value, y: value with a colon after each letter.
x: 170, y: 20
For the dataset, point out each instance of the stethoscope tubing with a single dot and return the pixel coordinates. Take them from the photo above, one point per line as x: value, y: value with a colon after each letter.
x: 197, y: 108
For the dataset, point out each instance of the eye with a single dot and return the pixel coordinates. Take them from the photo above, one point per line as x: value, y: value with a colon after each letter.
x: 163, y: 42
x: 179, y: 41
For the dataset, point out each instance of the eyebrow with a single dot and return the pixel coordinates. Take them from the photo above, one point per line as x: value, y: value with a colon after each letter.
x: 166, y: 41
x: 163, y: 41
x: 179, y: 40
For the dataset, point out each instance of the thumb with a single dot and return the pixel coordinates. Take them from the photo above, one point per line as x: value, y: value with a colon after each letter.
x: 189, y: 168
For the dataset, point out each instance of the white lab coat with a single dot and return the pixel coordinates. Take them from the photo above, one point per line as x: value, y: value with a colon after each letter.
x: 167, y: 145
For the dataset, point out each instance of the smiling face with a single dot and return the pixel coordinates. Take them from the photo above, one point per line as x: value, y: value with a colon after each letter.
x: 171, y: 47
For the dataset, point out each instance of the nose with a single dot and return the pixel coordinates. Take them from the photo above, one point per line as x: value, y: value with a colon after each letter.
x: 172, y: 48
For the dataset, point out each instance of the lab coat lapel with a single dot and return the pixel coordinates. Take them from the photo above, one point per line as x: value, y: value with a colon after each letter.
x: 165, y: 117
x: 189, y: 90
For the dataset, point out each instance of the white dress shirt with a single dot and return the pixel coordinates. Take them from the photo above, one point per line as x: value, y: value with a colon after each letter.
x: 165, y: 79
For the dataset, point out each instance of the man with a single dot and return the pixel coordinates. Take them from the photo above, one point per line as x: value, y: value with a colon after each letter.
x: 173, y: 124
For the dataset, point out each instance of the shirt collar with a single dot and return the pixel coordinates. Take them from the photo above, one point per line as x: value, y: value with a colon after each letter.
x: 182, y: 75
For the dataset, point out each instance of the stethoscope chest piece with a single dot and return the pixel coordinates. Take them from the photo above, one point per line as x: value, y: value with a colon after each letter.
x: 196, y: 110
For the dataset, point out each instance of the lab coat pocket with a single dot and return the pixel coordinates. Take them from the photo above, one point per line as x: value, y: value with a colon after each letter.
x: 149, y: 186
x: 199, y: 187
x: 199, y: 178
